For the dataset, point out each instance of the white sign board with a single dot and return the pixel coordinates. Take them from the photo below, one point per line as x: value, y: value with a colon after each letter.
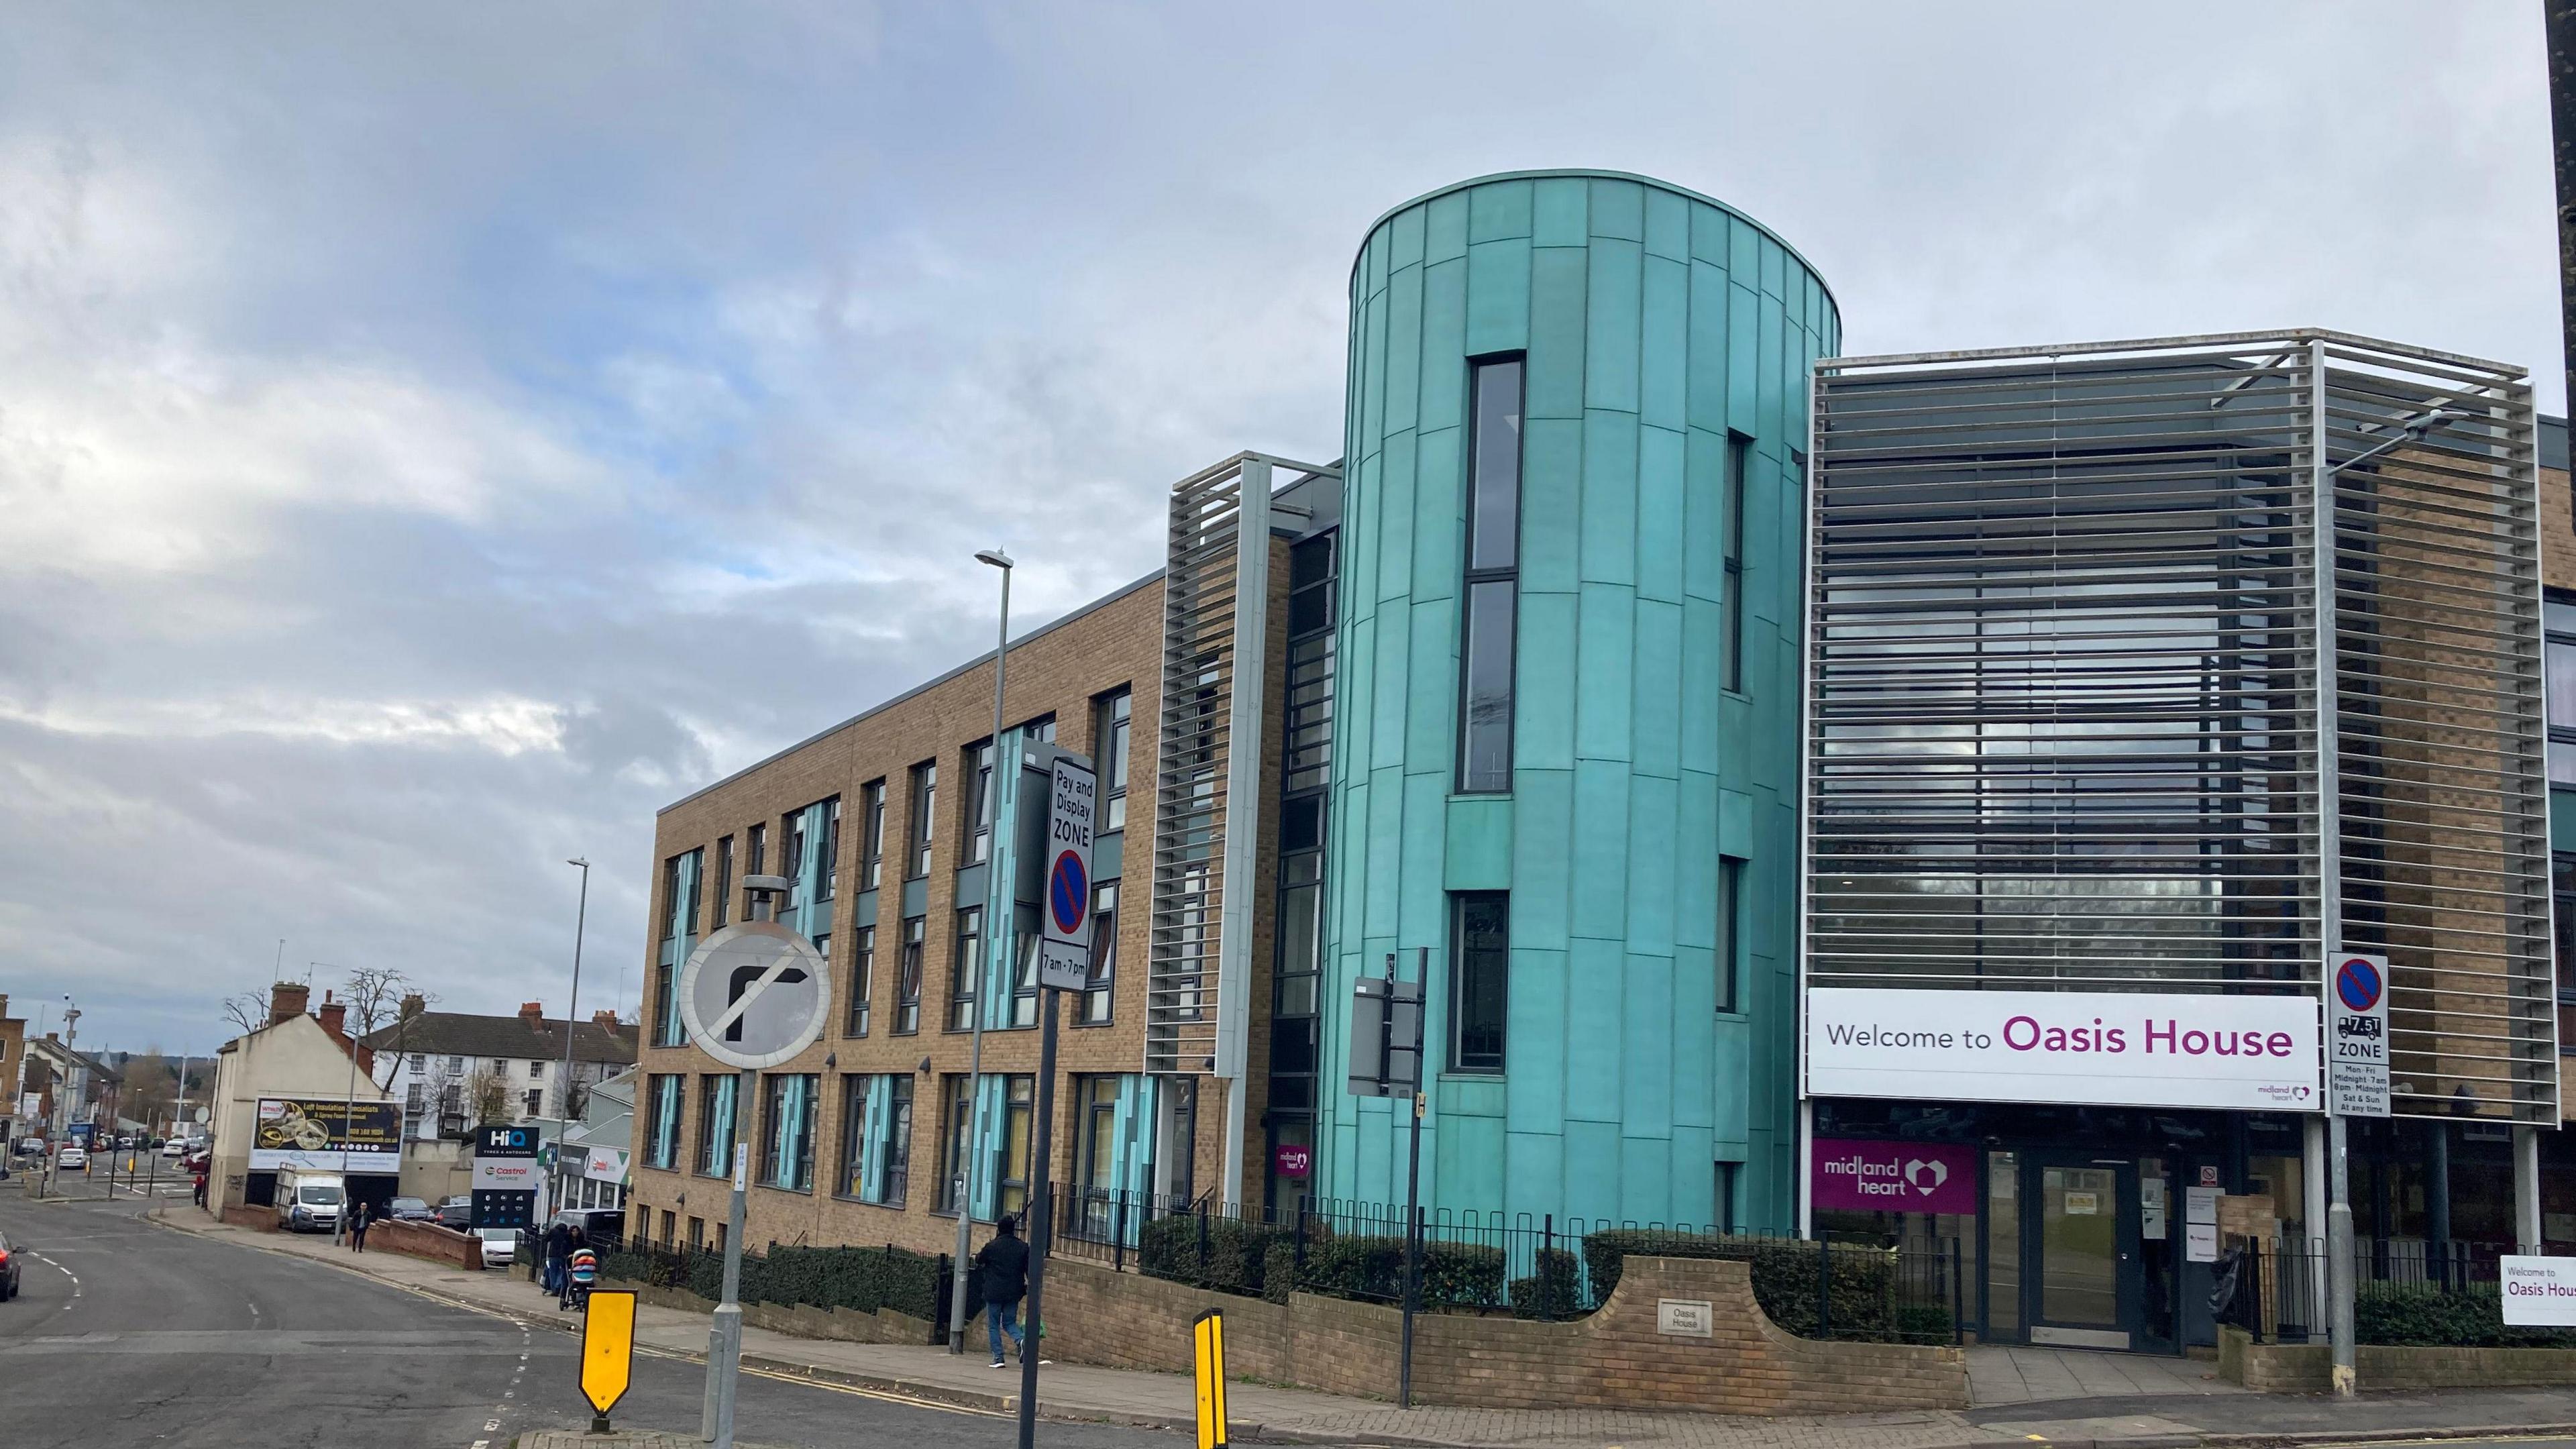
x: 1064, y: 952
x: 604, y: 1164
x: 506, y: 1174
x: 2091, y: 1047
x: 2200, y: 1224
x: 1686, y: 1317
x: 2357, y: 1036
x: 2538, y: 1292
x: 754, y: 994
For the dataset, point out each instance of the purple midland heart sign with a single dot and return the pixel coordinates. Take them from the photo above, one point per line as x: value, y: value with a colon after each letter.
x: 1907, y: 1177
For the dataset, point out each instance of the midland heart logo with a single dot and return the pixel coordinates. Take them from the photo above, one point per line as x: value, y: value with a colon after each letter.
x: 1917, y: 1171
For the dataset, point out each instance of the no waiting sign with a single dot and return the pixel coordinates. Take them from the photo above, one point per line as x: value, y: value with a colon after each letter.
x: 1064, y: 954
x: 2357, y: 1037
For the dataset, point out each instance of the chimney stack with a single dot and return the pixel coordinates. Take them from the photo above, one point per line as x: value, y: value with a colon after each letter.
x: 605, y: 1020
x: 334, y: 1014
x: 534, y: 1014
x: 286, y: 1001
x: 413, y: 1005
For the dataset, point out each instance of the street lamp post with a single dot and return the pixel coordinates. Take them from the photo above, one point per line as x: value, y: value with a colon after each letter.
x: 572, y: 1008
x: 993, y: 913
x: 348, y: 1121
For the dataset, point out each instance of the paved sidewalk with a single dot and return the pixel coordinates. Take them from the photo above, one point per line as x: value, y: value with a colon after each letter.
x: 2117, y: 1400
x: 2010, y: 1374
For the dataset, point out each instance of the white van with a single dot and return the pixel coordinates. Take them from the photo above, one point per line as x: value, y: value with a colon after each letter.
x: 310, y: 1202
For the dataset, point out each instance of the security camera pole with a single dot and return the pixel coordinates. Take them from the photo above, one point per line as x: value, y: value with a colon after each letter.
x: 752, y: 996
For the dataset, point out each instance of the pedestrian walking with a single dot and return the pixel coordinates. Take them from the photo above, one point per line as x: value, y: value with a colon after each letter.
x: 359, y: 1219
x: 201, y: 1187
x: 558, y: 1248
x: 1004, y: 1267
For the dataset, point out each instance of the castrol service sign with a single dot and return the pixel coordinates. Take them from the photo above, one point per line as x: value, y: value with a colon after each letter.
x: 2256, y: 1053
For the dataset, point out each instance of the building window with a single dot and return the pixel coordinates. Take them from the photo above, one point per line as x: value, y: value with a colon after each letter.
x: 662, y: 1122
x: 787, y: 1131
x: 759, y: 851
x: 791, y: 858
x: 2562, y: 881
x: 925, y: 808
x: 871, y: 834
x: 979, y: 804
x: 724, y: 881
x: 415, y: 1098
x: 898, y: 1140
x: 1095, y: 1157
x: 1493, y: 578
x: 828, y: 867
x: 1739, y: 461
x: 851, y: 1179
x: 956, y: 1119
x: 1730, y: 932
x: 1024, y: 970
x: 536, y: 1102
x: 536, y: 1069
x: 1722, y: 1212
x: 1099, y: 986
x: 863, y: 977
x: 715, y: 1123
x: 2558, y: 617
x: 671, y: 897
x: 1480, y: 973
x: 1109, y: 736
x: 964, y: 966
x: 1012, y: 1152
x: 907, y: 1005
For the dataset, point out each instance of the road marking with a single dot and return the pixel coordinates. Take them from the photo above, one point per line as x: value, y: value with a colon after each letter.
x: 879, y: 1394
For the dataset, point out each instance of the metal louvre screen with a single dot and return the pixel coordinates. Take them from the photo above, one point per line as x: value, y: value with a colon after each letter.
x: 2442, y: 739
x: 2064, y: 728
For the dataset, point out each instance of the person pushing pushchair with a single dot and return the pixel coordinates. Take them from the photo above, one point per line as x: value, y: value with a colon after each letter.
x: 581, y: 1270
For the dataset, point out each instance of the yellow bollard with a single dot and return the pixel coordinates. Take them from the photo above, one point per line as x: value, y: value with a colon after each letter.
x: 607, y: 1352
x: 1207, y: 1337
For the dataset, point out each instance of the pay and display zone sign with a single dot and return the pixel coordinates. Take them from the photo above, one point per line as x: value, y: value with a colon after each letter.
x: 1064, y: 952
x: 2357, y: 1036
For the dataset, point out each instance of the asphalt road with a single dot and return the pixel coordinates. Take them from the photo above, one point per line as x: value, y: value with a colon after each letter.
x: 130, y: 1334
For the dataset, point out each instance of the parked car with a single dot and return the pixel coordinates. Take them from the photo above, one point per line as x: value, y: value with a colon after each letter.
x: 173, y: 1147
x: 73, y: 1156
x: 31, y: 1147
x: 456, y: 1212
x: 594, y: 1221
x: 500, y: 1245
x: 8, y: 1270
x: 411, y: 1210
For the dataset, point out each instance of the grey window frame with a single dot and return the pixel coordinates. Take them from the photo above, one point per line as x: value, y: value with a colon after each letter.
x: 1492, y: 575
x: 1461, y: 987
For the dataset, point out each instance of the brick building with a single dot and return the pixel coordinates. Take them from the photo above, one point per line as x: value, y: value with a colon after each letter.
x: 885, y: 826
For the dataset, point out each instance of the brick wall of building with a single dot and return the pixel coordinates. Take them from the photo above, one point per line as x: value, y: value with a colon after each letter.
x: 1615, y: 1358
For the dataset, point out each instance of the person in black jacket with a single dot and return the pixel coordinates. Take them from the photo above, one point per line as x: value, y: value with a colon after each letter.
x: 558, y: 1241
x: 1004, y: 1267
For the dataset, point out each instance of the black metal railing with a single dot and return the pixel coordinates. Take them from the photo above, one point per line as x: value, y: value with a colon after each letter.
x: 2407, y: 1292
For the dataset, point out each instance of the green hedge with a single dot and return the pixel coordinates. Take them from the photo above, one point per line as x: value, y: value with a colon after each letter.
x: 1555, y: 1291
x: 1258, y: 1260
x: 1785, y: 1281
x: 867, y: 1279
x: 2401, y: 1315
x: 1209, y: 1252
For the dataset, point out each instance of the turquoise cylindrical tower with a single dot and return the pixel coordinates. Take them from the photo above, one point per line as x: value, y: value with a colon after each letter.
x: 1647, y: 352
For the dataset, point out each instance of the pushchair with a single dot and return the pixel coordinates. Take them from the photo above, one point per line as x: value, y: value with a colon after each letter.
x: 580, y: 1272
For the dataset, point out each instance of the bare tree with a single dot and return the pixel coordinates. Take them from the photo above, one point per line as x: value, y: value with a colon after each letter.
x: 247, y: 1011
x: 487, y: 1093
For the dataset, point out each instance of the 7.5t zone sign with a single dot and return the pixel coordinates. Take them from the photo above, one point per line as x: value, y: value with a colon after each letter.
x: 1064, y: 952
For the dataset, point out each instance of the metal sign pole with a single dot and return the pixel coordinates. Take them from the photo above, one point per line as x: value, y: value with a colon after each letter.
x: 1041, y: 1217
x: 724, y: 1331
x: 1413, y: 1199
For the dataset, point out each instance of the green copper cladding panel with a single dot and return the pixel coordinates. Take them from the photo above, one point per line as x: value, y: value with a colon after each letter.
x: 1655, y: 326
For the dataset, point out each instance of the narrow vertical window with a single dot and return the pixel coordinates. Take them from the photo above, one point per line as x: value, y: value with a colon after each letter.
x: 898, y: 1142
x: 1479, y: 978
x: 979, y: 803
x: 863, y: 979
x: 791, y: 858
x: 1722, y: 1215
x: 925, y: 809
x: 828, y: 867
x: 965, y: 967
x: 1109, y: 738
x: 871, y: 834
x: 724, y: 881
x: 1493, y: 578
x: 1100, y: 985
x: 956, y: 1117
x: 1730, y: 932
x: 907, y: 1005
x: 1739, y: 458
x: 759, y: 851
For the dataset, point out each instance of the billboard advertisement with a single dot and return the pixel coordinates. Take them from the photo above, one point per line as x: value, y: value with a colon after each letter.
x: 2099, y: 1048
x: 326, y: 1134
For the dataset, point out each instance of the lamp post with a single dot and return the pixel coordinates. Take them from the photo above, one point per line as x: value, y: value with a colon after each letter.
x: 992, y: 926
x: 572, y: 1009
x: 348, y: 1119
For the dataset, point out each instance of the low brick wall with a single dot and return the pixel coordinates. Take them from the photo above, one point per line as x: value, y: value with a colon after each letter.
x: 1616, y: 1357
x: 847, y: 1325
x: 261, y: 1219
x: 2299, y: 1368
x: 426, y: 1240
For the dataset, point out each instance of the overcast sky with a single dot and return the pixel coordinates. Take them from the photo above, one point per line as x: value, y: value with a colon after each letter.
x: 433, y: 437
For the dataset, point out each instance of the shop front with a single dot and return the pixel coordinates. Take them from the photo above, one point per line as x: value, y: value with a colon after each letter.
x: 2080, y: 1227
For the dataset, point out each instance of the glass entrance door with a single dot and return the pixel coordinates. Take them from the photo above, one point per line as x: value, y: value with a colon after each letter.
x: 2079, y: 1240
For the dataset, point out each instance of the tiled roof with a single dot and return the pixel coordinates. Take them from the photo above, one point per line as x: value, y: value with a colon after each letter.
x: 456, y: 1033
